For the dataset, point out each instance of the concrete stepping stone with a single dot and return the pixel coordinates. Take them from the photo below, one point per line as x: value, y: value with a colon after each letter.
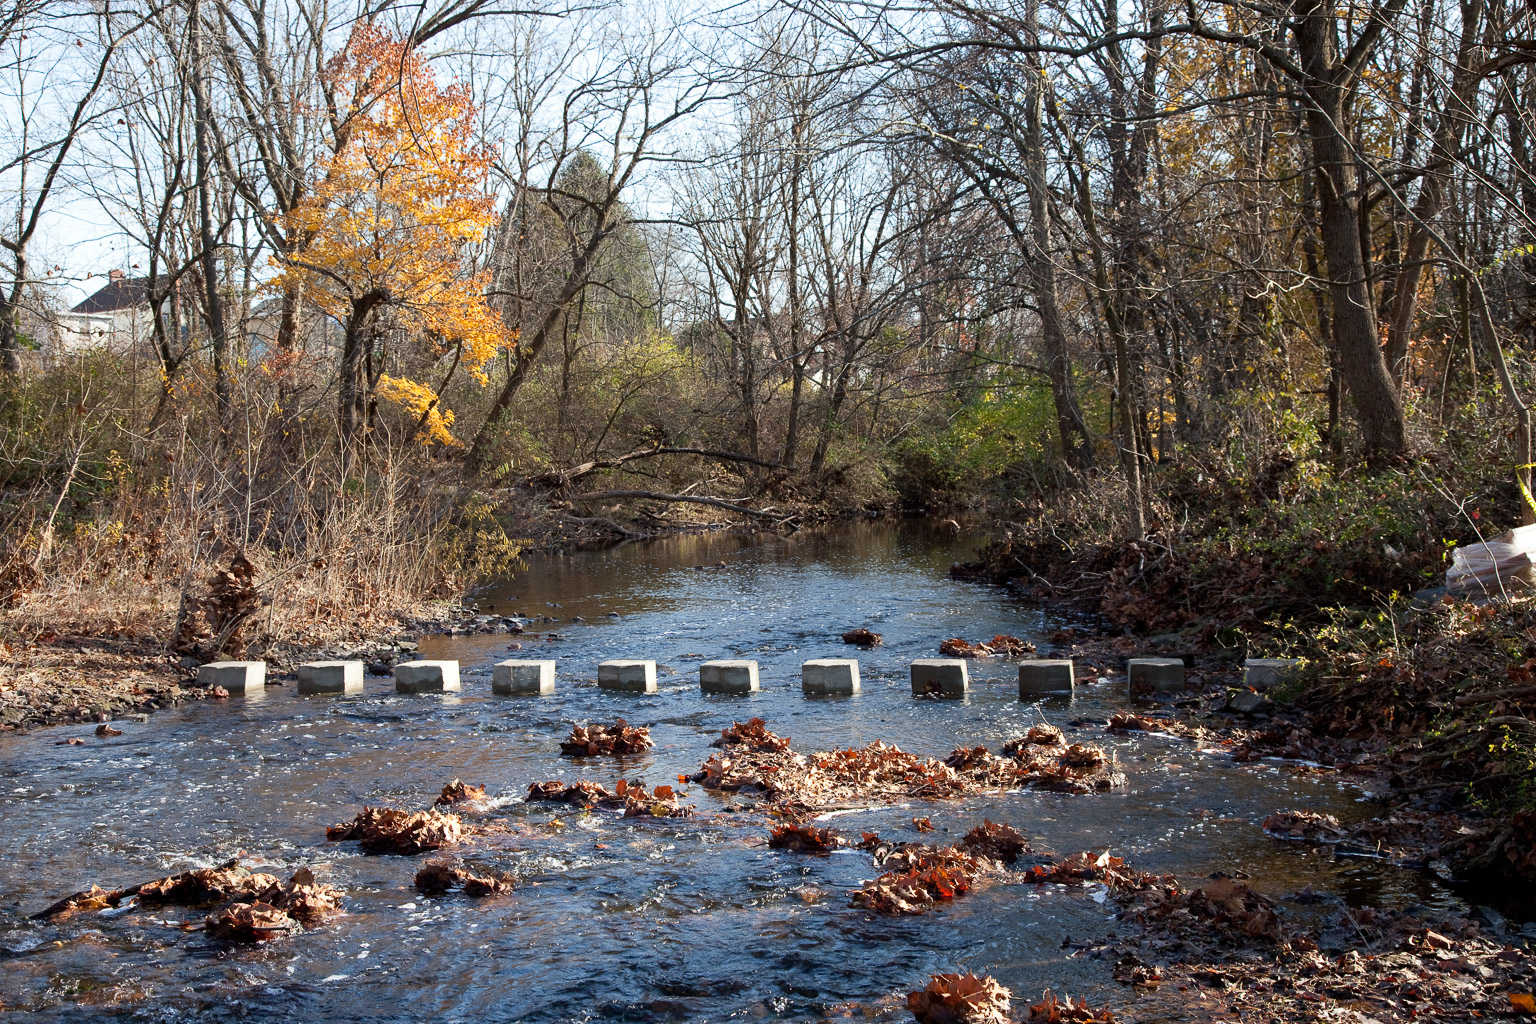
x: 427, y: 677
x: 237, y: 677
x: 947, y: 677
x: 627, y: 676
x: 1155, y: 675
x: 830, y: 677
x: 509, y: 678
x: 331, y: 677
x: 1045, y: 675
x: 728, y: 677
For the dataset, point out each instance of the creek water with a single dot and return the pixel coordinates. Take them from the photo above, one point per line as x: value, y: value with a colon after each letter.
x: 613, y: 920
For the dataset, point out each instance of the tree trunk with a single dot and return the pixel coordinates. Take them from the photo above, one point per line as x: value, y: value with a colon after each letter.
x: 1361, y: 363
x: 1076, y: 442
x: 1447, y: 139
x: 10, y: 309
x: 218, y: 339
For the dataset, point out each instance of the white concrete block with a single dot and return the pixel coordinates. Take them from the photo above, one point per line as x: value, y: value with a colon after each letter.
x: 1045, y: 675
x: 1155, y: 675
x: 331, y: 677
x: 1267, y: 673
x: 515, y: 677
x: 238, y: 677
x: 427, y: 677
x: 830, y: 676
x: 728, y: 677
x: 632, y: 676
x: 946, y: 676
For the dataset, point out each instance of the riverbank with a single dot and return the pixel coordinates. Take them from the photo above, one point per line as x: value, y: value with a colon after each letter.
x: 1433, y: 699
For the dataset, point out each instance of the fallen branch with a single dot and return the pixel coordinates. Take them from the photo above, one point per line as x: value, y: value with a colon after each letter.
x: 689, y: 498
x: 1488, y: 696
x: 562, y: 478
x: 111, y: 898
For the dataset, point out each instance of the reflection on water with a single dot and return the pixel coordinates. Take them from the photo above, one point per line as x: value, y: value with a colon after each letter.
x: 625, y: 921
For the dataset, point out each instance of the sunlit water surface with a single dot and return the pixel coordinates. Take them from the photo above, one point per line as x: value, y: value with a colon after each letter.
x: 619, y: 920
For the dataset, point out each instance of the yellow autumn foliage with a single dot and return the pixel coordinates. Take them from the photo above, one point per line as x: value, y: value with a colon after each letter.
x: 391, y: 213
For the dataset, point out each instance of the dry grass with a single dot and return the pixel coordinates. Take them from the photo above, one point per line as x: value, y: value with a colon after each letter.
x: 108, y: 529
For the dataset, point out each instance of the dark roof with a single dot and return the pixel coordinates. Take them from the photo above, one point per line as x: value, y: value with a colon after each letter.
x: 127, y: 293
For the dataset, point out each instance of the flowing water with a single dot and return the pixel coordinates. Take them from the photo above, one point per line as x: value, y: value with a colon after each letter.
x: 691, y: 920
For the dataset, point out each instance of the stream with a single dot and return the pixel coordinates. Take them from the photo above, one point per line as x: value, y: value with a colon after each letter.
x: 613, y: 920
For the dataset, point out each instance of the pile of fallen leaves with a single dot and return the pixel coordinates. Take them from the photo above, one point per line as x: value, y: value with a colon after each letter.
x: 256, y: 906
x: 960, y: 999
x: 281, y: 908
x: 883, y: 771
x: 1307, y: 825
x: 581, y: 793
x: 862, y: 637
x: 661, y: 802
x: 213, y: 622
x: 753, y: 734
x: 1042, y: 735
x: 1087, y: 866
x: 928, y: 878
x: 1000, y: 646
x: 636, y: 800
x: 1001, y: 843
x: 392, y: 830
x: 457, y: 792
x: 438, y: 878
x: 620, y: 738
x: 920, y: 876
x: 1041, y: 759
x: 804, y: 839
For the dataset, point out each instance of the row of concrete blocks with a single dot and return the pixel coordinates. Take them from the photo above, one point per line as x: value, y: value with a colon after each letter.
x: 941, y: 676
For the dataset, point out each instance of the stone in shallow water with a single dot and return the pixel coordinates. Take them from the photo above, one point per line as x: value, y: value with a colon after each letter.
x: 1155, y: 675
x: 237, y: 677
x: 830, y: 676
x: 728, y: 677
x: 331, y: 677
x: 515, y: 677
x: 632, y: 676
x: 427, y: 677
x: 1045, y: 675
x: 945, y: 676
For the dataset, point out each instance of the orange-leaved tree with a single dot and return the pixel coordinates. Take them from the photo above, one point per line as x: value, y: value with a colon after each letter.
x: 387, y: 228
